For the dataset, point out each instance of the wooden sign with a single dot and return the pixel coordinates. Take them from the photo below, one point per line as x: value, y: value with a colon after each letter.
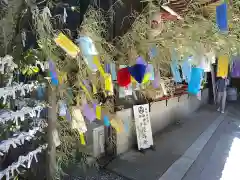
x: 143, y: 126
x: 223, y: 62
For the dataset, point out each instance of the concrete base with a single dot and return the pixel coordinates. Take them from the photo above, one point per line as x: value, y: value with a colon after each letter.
x: 161, y: 116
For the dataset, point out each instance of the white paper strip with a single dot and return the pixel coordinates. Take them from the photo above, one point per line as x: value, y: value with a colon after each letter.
x: 19, y: 139
x: 22, y: 160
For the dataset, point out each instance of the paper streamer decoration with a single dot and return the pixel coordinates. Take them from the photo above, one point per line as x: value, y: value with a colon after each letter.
x: 98, y: 112
x: 98, y: 64
x: 89, y: 113
x: 223, y: 62
x: 85, y: 90
x: 175, y: 72
x: 236, y: 68
x: 62, y: 109
x: 107, y: 68
x: 123, y: 77
x: 40, y: 92
x: 137, y: 71
x: 150, y: 70
x: 113, y: 71
x: 78, y: 122
x: 186, y: 70
x: 117, y: 125
x: 108, y: 83
x: 67, y: 45
x: 53, y: 73
x: 156, y: 82
x: 68, y: 115
x: 87, y: 46
x: 195, y: 83
x: 106, y: 121
x: 153, y: 52
x: 221, y: 17
x: 205, y: 64
x: 140, y: 60
x: 82, y: 139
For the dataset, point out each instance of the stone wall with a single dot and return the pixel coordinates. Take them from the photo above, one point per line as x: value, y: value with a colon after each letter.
x: 161, y: 116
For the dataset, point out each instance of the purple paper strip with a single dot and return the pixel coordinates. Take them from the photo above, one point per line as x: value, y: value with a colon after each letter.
x: 236, y: 68
x: 140, y: 60
x: 156, y: 82
x: 89, y: 113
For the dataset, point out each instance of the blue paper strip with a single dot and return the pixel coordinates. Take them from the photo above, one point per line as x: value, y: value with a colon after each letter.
x: 106, y: 121
x: 221, y: 17
x: 195, y: 83
x: 113, y: 71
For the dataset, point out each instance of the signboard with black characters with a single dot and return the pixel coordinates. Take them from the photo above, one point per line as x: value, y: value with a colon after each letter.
x: 143, y: 126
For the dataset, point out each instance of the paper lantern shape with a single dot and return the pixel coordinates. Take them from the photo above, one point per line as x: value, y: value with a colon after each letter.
x: 186, y: 70
x: 221, y: 17
x: 137, y: 71
x: 223, y: 63
x: 106, y: 121
x: 235, y: 73
x: 194, y: 85
x: 67, y: 45
x: 89, y: 113
x: 123, y: 77
x: 175, y: 72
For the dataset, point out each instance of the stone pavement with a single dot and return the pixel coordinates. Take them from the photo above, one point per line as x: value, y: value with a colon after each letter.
x: 195, y: 149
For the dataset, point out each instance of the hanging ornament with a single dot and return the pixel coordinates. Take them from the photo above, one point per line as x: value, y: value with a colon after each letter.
x: 140, y: 60
x: 194, y: 85
x: 113, y: 71
x: 24, y: 38
x: 108, y: 84
x: 221, y: 17
x: 98, y: 112
x: 235, y: 73
x: 65, y: 15
x: 106, y: 121
x: 186, y: 70
x: 78, y: 120
x: 137, y: 71
x: 67, y: 45
x: 175, y: 72
x: 89, y: 113
x: 123, y: 77
x: 223, y: 63
x: 53, y: 73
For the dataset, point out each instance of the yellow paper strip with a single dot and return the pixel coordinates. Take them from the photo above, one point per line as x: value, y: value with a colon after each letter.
x: 67, y: 45
x: 94, y: 89
x: 99, y: 112
x: 85, y: 90
x: 108, y: 83
x: 117, y: 125
x: 82, y: 139
x: 98, y: 64
x: 223, y: 62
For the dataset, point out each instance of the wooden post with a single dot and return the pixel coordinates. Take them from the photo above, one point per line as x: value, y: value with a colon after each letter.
x: 52, y: 119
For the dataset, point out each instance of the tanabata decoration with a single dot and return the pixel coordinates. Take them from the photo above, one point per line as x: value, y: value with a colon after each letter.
x: 137, y: 71
x: 123, y: 77
x: 107, y: 68
x: 186, y: 70
x: 117, y: 125
x: 223, y: 62
x: 98, y: 64
x: 62, y: 108
x: 156, y: 82
x: 23, y: 161
x: 236, y: 68
x: 113, y: 71
x: 89, y: 50
x: 98, y: 112
x: 106, y: 121
x: 89, y: 113
x: 41, y: 89
x: 150, y: 70
x: 67, y: 45
x: 221, y: 17
x: 194, y: 85
x: 53, y: 73
x: 7, y: 61
x: 140, y: 60
x: 205, y: 64
x: 153, y: 52
x: 175, y: 72
x: 78, y: 122
x: 108, y: 84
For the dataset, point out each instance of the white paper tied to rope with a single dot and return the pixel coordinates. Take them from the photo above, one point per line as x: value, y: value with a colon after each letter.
x: 18, y: 139
x: 7, y: 60
x: 15, y: 116
x: 40, y: 64
x: 65, y: 15
x: 21, y: 162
